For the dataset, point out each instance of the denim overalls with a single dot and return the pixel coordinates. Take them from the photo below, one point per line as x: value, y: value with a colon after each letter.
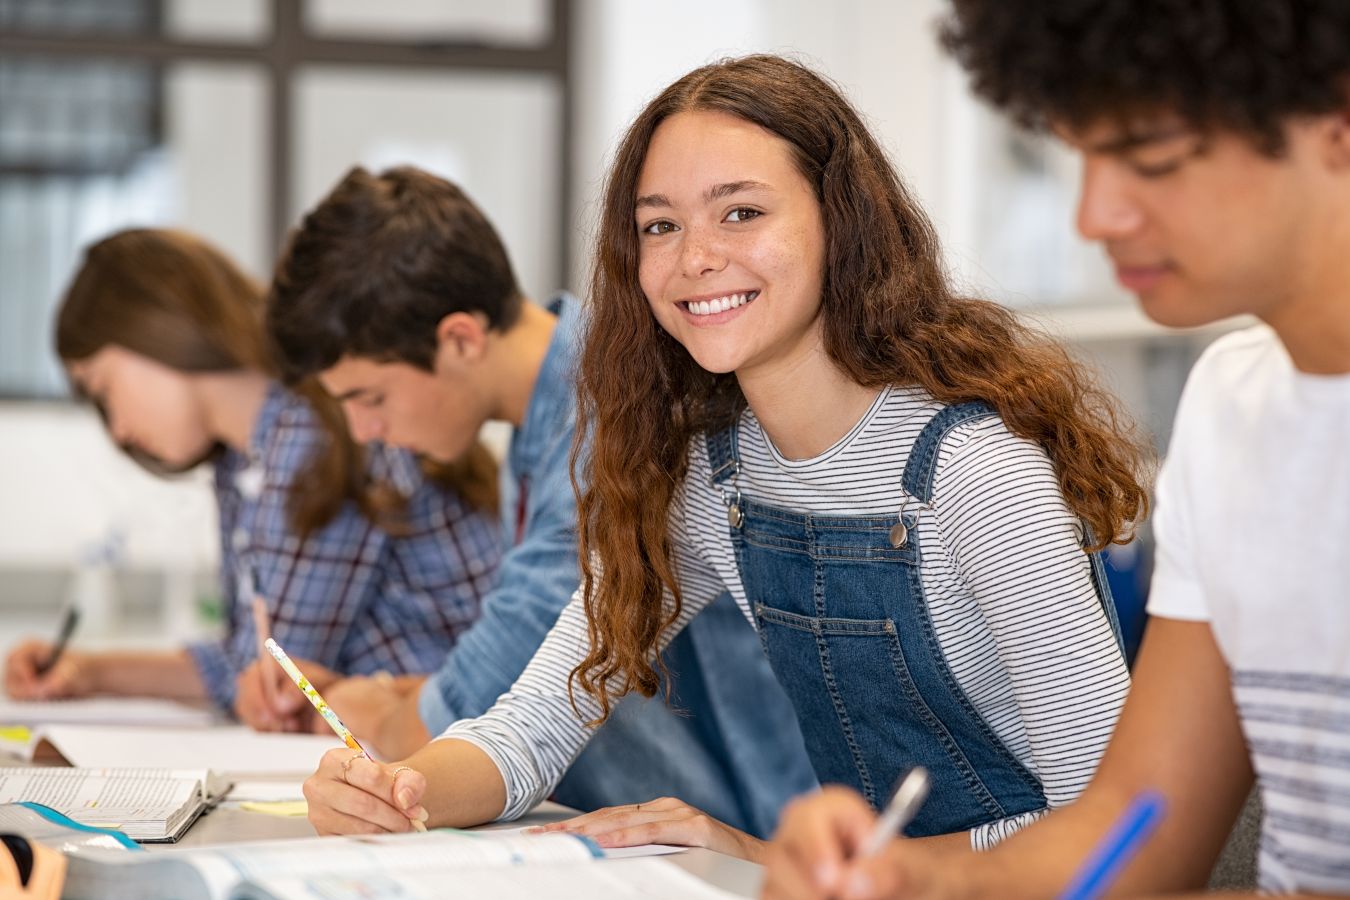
x: 839, y: 605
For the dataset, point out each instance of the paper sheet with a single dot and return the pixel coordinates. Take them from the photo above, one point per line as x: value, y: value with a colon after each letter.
x: 610, y: 852
x: 649, y: 879
x: 267, y: 791
x: 232, y: 750
x: 120, y: 711
x: 285, y: 809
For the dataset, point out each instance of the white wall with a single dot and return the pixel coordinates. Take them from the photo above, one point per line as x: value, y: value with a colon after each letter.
x: 883, y: 54
x: 61, y: 483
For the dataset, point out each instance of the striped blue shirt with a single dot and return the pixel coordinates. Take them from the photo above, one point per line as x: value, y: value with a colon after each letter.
x: 350, y: 596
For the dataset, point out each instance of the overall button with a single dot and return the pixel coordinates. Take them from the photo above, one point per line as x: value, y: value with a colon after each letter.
x: 899, y: 535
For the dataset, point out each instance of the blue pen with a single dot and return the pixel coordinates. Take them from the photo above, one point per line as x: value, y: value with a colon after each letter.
x: 1116, y: 849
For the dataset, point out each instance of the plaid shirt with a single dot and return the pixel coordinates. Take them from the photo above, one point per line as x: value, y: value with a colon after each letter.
x: 350, y: 597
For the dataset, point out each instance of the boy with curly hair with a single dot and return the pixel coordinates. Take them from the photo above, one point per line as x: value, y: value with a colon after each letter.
x: 1215, y: 141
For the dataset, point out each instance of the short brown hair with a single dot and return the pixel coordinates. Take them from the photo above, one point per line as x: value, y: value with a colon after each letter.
x: 377, y: 264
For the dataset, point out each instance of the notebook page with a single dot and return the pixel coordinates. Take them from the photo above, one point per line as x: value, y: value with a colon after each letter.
x: 610, y: 852
x: 648, y: 879
x: 439, y: 850
x: 233, y: 749
x: 145, y: 803
x: 104, y: 711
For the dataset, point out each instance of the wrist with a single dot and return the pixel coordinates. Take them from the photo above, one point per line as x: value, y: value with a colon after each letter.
x: 752, y: 848
x: 87, y: 672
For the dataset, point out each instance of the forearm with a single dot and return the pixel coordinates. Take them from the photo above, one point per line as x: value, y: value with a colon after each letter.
x: 170, y: 674
x: 1041, y: 859
x: 1239, y: 895
x: 464, y: 786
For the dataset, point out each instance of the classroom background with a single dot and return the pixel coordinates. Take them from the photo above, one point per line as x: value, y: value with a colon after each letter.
x: 231, y: 117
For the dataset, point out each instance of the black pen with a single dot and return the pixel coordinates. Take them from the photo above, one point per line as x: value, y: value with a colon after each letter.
x: 67, y: 629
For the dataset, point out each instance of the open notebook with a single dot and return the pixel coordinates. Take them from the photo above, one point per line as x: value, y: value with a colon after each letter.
x: 148, y: 805
x: 437, y: 864
x: 105, y: 711
x: 232, y: 750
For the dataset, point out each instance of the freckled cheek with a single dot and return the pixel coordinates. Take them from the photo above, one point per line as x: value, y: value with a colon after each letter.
x: 787, y: 259
x: 655, y: 268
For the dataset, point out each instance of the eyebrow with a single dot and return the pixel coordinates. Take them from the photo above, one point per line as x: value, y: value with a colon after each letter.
x: 716, y: 192
x: 1132, y: 141
x: 349, y: 395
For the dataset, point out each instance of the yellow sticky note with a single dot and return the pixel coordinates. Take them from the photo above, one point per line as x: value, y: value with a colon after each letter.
x: 16, y: 733
x: 285, y: 808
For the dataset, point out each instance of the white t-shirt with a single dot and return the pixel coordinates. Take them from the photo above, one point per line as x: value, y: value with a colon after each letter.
x: 1253, y: 528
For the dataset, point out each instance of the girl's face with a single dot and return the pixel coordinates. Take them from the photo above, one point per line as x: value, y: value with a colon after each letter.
x: 147, y: 405
x: 732, y: 245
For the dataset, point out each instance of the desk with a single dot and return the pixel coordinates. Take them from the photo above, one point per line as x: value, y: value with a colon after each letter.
x: 228, y: 824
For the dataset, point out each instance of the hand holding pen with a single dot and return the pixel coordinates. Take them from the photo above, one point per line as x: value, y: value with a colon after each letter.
x: 831, y: 844
x: 36, y: 670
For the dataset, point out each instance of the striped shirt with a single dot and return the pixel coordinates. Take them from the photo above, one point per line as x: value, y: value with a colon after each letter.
x: 1008, y: 587
x: 350, y: 597
x: 1253, y: 528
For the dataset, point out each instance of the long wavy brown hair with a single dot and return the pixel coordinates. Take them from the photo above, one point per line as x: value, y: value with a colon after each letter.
x: 172, y: 297
x: 888, y: 315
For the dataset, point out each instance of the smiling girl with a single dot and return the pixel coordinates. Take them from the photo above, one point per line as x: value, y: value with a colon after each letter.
x: 899, y: 487
x: 364, y: 564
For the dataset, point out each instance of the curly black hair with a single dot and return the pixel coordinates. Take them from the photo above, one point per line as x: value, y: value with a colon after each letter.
x: 1240, y: 65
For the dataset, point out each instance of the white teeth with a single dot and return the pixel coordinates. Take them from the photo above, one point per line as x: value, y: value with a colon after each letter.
x: 720, y: 304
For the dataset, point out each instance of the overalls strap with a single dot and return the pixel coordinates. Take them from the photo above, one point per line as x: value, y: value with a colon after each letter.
x: 918, y: 476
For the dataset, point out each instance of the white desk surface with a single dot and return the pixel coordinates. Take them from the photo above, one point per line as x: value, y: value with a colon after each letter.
x: 228, y: 824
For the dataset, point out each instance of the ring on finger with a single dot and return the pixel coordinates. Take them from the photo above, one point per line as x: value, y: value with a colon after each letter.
x: 347, y: 764
x: 394, y: 775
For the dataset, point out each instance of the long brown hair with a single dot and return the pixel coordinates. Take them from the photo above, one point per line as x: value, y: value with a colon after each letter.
x: 888, y: 315
x: 172, y: 297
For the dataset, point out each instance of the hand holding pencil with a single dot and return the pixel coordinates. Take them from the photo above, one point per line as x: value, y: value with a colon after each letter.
x: 400, y: 787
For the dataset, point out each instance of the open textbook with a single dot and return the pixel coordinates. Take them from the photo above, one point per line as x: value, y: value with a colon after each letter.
x: 149, y: 805
x: 436, y: 864
x: 233, y: 750
x: 104, y: 711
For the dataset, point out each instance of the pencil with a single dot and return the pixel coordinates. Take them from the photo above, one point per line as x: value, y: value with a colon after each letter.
x: 1116, y: 849
x: 322, y: 706
x: 313, y: 696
